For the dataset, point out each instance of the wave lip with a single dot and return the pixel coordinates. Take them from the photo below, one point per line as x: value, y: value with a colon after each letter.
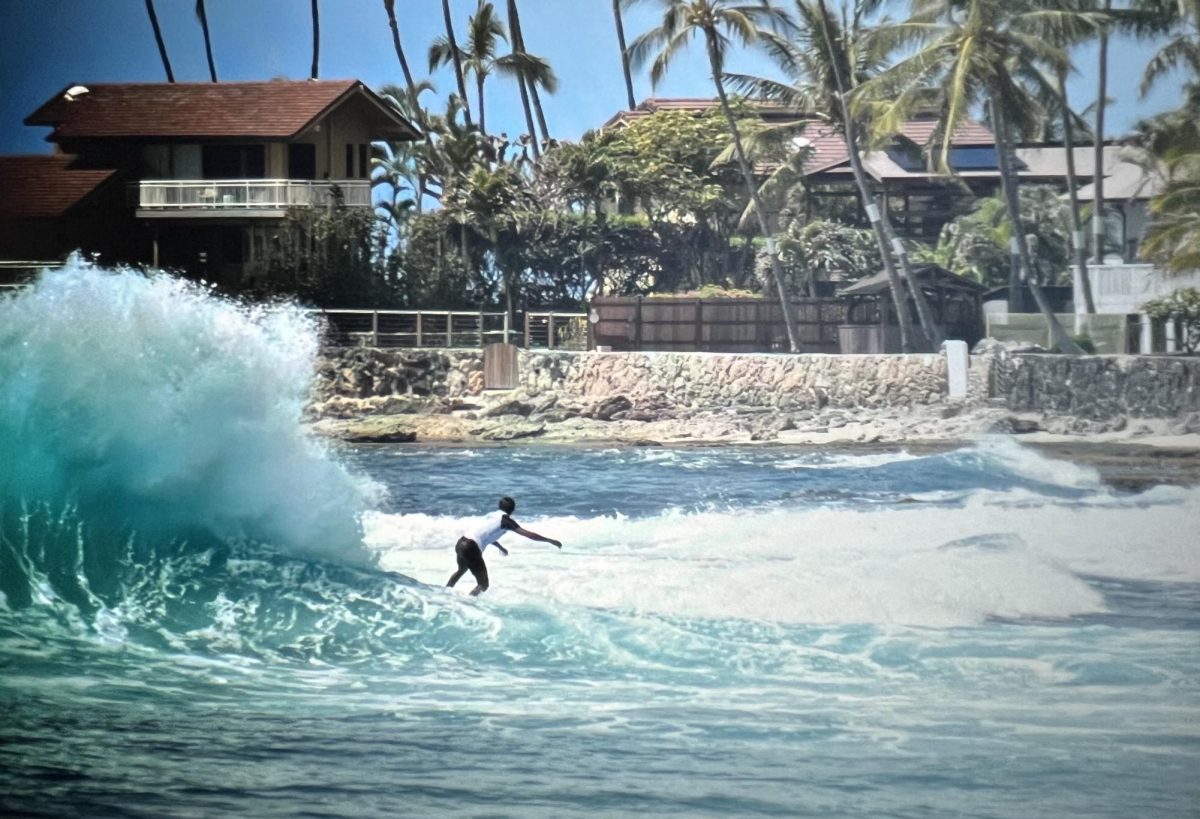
x: 149, y: 404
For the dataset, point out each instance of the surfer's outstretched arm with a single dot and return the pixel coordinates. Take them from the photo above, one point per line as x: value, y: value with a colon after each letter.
x: 503, y: 551
x: 536, y: 536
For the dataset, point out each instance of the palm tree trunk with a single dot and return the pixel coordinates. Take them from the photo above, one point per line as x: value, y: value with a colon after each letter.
x: 1009, y: 183
x: 390, y: 7
x: 624, y: 55
x: 316, y: 60
x: 1078, y: 242
x: 458, y: 69
x: 1098, y: 153
x: 517, y: 48
x: 158, y: 38
x: 879, y: 221
x: 482, y: 113
x: 514, y: 22
x: 202, y: 14
x: 785, y: 305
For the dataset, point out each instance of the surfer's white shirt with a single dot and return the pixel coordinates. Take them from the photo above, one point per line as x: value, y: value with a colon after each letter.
x: 488, y: 530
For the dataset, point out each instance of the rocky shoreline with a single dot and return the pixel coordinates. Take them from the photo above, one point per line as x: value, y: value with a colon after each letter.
x: 441, y: 401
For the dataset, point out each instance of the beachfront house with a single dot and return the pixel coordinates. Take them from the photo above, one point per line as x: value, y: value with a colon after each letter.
x: 191, y: 176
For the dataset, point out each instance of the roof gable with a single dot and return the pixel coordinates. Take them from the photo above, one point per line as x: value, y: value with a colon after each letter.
x: 266, y: 110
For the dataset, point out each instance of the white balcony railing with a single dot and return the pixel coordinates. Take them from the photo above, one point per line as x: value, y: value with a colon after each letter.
x: 1124, y: 288
x: 224, y: 195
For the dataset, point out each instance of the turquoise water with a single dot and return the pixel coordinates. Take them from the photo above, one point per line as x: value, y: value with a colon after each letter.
x: 206, y: 612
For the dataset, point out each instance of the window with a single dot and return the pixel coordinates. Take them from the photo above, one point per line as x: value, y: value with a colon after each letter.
x: 302, y: 161
x: 233, y: 162
x: 349, y: 161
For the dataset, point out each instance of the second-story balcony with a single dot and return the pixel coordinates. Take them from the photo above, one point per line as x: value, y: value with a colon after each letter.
x: 244, y: 197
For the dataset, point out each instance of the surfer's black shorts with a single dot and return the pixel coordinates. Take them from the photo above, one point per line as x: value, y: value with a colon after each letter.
x: 470, y: 557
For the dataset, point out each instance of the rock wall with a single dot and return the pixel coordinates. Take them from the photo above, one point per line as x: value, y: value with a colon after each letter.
x: 701, y: 380
x: 1094, y: 387
x: 1099, y: 387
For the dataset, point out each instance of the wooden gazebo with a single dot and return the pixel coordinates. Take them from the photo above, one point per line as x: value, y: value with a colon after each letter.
x: 871, y: 326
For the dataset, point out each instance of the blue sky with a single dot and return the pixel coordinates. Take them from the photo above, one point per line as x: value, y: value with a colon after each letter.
x: 46, y: 45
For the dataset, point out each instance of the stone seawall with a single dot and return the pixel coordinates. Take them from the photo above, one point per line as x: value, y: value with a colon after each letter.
x: 1092, y: 387
x: 1099, y: 387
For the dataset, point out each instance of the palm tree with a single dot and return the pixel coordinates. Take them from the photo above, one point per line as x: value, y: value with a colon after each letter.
x: 826, y: 62
x: 389, y: 6
x: 624, y: 54
x: 484, y: 29
x: 1098, y: 154
x: 456, y: 57
x: 1181, y: 18
x: 202, y: 16
x: 974, y: 52
x: 535, y: 71
x: 717, y: 21
x: 158, y: 38
x: 316, y: 18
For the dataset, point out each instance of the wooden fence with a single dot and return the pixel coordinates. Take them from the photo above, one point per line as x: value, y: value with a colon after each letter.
x: 713, y: 325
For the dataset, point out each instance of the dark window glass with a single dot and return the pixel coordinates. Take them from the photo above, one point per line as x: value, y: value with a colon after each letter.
x: 302, y: 161
x: 364, y: 164
x: 349, y: 161
x: 233, y: 161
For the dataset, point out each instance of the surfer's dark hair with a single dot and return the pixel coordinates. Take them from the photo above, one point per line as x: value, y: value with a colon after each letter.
x: 507, y: 505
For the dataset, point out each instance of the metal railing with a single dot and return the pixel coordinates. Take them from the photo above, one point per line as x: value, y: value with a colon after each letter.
x: 556, y: 331
x: 249, y: 194
x: 450, y: 328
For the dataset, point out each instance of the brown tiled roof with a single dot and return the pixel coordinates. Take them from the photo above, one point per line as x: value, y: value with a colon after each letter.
x: 269, y: 110
x: 969, y: 132
x: 44, y: 186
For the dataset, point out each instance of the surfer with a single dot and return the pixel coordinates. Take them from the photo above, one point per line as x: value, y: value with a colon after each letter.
x: 469, y: 549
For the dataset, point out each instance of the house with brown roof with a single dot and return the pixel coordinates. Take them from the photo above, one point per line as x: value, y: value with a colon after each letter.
x: 196, y: 176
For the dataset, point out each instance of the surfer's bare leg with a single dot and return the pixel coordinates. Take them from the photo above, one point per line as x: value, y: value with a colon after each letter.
x: 481, y: 578
x: 454, y: 577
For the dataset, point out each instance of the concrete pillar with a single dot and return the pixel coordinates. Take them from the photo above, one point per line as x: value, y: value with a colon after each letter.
x: 957, y: 361
x: 1145, y: 334
x: 1169, y: 327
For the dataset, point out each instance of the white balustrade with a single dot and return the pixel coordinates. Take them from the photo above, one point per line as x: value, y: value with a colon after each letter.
x: 250, y: 194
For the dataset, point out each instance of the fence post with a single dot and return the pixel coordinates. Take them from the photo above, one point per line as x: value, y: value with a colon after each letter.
x: 637, y: 329
x: 507, y: 326
x: 419, y: 344
x: 699, y: 324
x: 449, y: 328
x: 374, y: 328
x: 481, y: 329
x: 550, y: 331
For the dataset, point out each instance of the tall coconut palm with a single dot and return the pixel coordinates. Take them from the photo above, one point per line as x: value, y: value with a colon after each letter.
x: 719, y: 23
x: 1181, y: 19
x: 1098, y: 232
x: 826, y: 60
x: 202, y: 16
x: 531, y: 72
x: 456, y: 58
x: 535, y: 71
x: 158, y: 38
x: 316, y: 60
x: 484, y: 31
x: 975, y: 52
x: 624, y: 54
x: 389, y: 6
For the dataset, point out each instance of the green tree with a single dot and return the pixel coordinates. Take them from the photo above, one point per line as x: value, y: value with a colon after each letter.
x: 158, y: 38
x: 826, y: 61
x: 977, y: 52
x: 719, y: 23
x: 534, y: 71
x: 1172, y: 145
x: 484, y: 31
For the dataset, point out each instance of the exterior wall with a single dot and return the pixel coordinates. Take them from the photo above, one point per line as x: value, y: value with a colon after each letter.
x: 1100, y: 387
x: 1094, y: 387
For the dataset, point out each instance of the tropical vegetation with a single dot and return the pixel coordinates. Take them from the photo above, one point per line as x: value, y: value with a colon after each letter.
x: 675, y: 201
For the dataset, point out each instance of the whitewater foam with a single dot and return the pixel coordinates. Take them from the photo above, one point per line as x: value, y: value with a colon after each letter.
x: 155, y: 406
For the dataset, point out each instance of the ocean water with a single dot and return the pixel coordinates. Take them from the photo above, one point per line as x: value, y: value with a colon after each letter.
x: 207, y: 612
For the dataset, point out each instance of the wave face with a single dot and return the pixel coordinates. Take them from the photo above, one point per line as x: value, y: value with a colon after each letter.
x: 141, y: 417
x: 204, y: 612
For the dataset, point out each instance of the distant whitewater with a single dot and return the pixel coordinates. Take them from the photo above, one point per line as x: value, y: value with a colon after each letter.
x: 204, y: 610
